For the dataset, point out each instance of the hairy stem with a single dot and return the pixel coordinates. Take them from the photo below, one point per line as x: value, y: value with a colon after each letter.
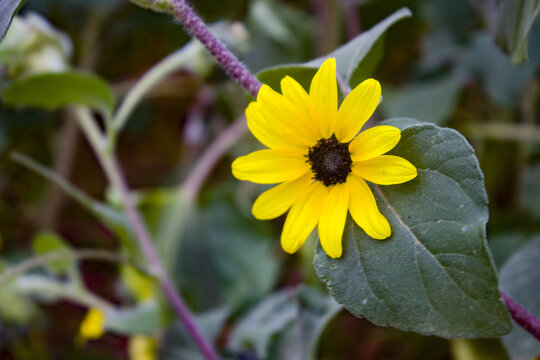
x: 116, y: 178
x: 522, y: 316
x: 230, y: 63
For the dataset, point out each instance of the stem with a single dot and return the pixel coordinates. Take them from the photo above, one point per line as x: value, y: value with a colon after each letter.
x: 198, y: 29
x: 502, y: 131
x: 522, y: 316
x: 59, y: 255
x: 353, y: 20
x: 157, y: 73
x: 116, y: 178
x: 192, y: 184
x: 35, y: 284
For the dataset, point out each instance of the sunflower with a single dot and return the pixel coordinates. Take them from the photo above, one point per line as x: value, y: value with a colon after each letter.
x: 320, y: 161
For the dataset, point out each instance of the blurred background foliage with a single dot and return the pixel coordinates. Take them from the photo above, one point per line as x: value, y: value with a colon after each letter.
x: 442, y: 65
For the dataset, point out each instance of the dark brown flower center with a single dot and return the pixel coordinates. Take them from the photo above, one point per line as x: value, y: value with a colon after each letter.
x: 330, y: 161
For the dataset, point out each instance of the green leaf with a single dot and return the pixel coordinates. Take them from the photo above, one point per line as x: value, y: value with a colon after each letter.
x: 177, y: 344
x: 520, y: 277
x: 350, y: 55
x: 505, y: 244
x: 8, y: 9
x: 238, y: 257
x: 286, y: 325
x: 431, y: 101
x: 350, y: 58
x: 503, y: 82
x: 515, y: 20
x: 478, y: 349
x: 47, y: 242
x: 51, y: 91
x: 434, y: 274
x: 14, y: 306
x: 141, y: 319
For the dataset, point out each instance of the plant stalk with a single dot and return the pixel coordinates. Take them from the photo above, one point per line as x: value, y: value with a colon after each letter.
x: 196, y: 27
x: 112, y: 170
x: 522, y: 316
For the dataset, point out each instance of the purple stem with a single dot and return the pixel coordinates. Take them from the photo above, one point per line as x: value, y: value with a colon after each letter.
x: 522, y: 316
x: 156, y: 266
x: 353, y: 20
x: 198, y: 29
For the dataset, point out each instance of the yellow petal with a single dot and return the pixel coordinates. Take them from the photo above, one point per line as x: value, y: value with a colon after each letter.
x: 266, y: 133
x: 303, y: 217
x: 356, y: 109
x: 269, y: 167
x: 385, y: 170
x: 374, y: 142
x: 274, y: 202
x: 287, y: 118
x: 323, y: 97
x: 294, y: 92
x: 92, y: 326
x: 332, y: 222
x: 364, y: 211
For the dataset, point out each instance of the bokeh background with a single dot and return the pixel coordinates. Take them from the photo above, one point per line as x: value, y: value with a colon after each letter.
x: 441, y: 65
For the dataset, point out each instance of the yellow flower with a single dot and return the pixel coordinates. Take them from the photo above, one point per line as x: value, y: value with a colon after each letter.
x: 319, y: 160
x: 92, y: 326
x: 142, y: 348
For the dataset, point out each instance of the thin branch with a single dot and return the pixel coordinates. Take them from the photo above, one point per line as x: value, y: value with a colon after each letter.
x: 522, y: 316
x: 114, y: 174
x: 45, y: 259
x: 196, y: 27
x: 200, y: 172
x: 502, y: 131
x: 151, y: 78
x: 350, y: 8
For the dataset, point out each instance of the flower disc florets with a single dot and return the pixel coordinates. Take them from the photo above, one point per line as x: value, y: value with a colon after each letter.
x: 330, y: 161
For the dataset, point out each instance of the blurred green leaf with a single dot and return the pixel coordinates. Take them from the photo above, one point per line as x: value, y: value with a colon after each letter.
x: 478, y: 349
x: 8, y: 9
x: 51, y: 91
x: 143, y: 318
x: 503, y: 82
x: 430, y: 101
x: 177, y: 344
x: 286, y: 325
x: 226, y: 258
x: 47, y: 242
x: 434, y: 275
x: 350, y: 58
x: 351, y: 55
x: 515, y: 20
x: 14, y: 306
x: 504, y: 245
x: 531, y: 188
x: 519, y: 278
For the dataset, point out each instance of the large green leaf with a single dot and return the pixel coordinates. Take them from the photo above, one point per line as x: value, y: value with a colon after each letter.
x: 434, y: 275
x: 54, y: 90
x: 520, y: 277
x: 8, y: 9
x: 350, y: 57
x: 286, y: 325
